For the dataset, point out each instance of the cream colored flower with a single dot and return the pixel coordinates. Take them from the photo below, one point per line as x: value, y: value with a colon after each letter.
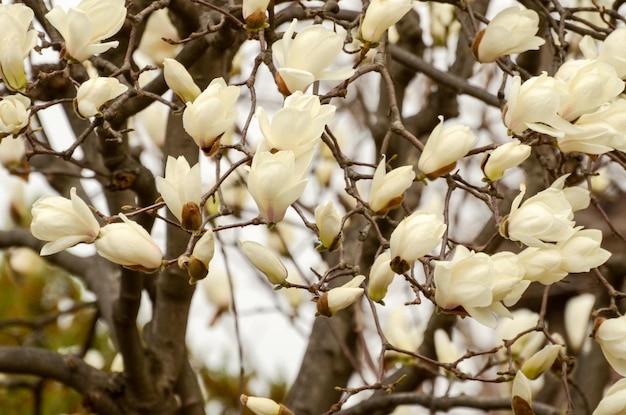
x: 415, y: 236
x: 446, y: 351
x: 614, y: 400
x: 611, y: 336
x: 387, y: 191
x: 180, y: 81
x: 94, y: 93
x: 527, y: 344
x: 339, y: 298
x: 197, y: 264
x: 328, y: 223
x: 86, y: 26
x: 255, y: 13
x: 576, y: 319
x: 274, y: 183
x: 612, y: 51
x: 265, y: 261
x: 159, y: 27
x: 380, y: 16
x: 128, y: 244
x: 12, y: 151
x: 14, y: 114
x: 211, y: 114
x: 264, y: 406
x: 181, y: 189
x: 510, y: 31
x: 521, y: 394
x: 304, y: 59
x: 504, y: 157
x: 17, y: 40
x: 444, y: 147
x: 541, y: 361
x: 64, y: 222
x: 381, y: 276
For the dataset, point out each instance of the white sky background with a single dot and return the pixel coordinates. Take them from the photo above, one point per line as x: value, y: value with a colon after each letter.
x: 274, y: 344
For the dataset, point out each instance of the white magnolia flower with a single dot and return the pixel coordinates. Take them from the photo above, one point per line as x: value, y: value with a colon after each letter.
x: 380, y: 16
x: 613, y: 53
x: 510, y: 284
x: 14, y: 114
x: 521, y: 393
x: 510, y: 31
x: 576, y: 319
x: 255, y: 13
x: 328, y: 223
x: 614, y: 400
x: 401, y: 332
x: 534, y: 105
x: 504, y: 157
x: 128, y: 244
x: 304, y: 59
x: 298, y: 126
x: 152, y: 45
x: 543, y: 264
x: 179, y: 80
x: 590, y: 84
x: 12, y: 151
x: 528, y: 344
x: 94, y: 93
x: 597, y: 132
x: 444, y: 147
x: 265, y: 261
x: 541, y: 361
x: 339, y: 298
x: 264, y: 406
x: 64, y: 222
x: 181, y: 189
x: 274, y: 183
x: 211, y: 114
x: 86, y: 26
x: 17, y: 40
x: 197, y: 264
x: 415, y: 236
x: 381, y: 275
x: 544, y: 217
x: 446, y: 351
x: 611, y: 336
x: 582, y: 251
x: 387, y: 191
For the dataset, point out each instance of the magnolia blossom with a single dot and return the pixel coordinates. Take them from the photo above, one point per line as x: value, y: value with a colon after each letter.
x: 85, y: 26
x: 94, y: 93
x: 254, y: 13
x: 264, y: 406
x: 17, y: 40
x: 328, y: 223
x: 577, y: 312
x: 265, y: 261
x: 510, y: 31
x: 387, y: 191
x: 128, y: 244
x: 521, y: 394
x: 614, y: 400
x: 528, y: 344
x: 339, y: 298
x: 415, y: 236
x: 297, y: 127
x: 12, y: 151
x: 611, y: 336
x: 401, y: 332
x: 504, y: 157
x: 181, y: 189
x: 180, y: 81
x: 534, y: 104
x: 152, y: 45
x: 445, y: 146
x: 303, y: 59
x: 64, y: 222
x: 545, y: 217
x: 541, y: 361
x: 14, y: 114
x: 380, y: 16
x: 590, y: 84
x: 446, y: 351
x: 216, y: 289
x: 381, y: 275
x: 197, y: 264
x: 213, y: 112
x: 582, y: 251
x: 596, y: 133
x: 274, y: 183
x: 613, y: 53
x: 543, y: 264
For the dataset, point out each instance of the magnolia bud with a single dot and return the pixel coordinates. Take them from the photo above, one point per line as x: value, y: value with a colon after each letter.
x: 265, y: 261
x: 381, y: 275
x: 341, y: 297
x: 191, y: 216
x: 264, y: 406
x: 179, y: 80
x: 328, y: 224
x: 541, y: 361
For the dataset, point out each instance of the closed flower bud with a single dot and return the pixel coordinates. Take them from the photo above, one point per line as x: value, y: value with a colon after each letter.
x: 85, y: 26
x: 64, y: 222
x: 446, y: 351
x: 152, y: 44
x: 198, y: 264
x: 328, y: 224
x: 541, y: 361
x: 504, y: 157
x: 18, y: 39
x: 380, y: 16
x: 339, y: 298
x: 614, y: 400
x: 387, y: 191
x: 265, y: 261
x: 128, y: 244
x: 218, y: 100
x: 12, y: 152
x: 381, y: 276
x: 510, y: 31
x: 527, y: 344
x: 415, y: 236
x: 26, y: 263
x: 14, y: 114
x: 577, y: 312
x: 445, y: 146
x: 181, y: 189
x: 254, y: 13
x: 94, y: 93
x: 303, y: 59
x: 180, y: 81
x: 611, y: 336
x: 264, y: 406
x: 521, y: 395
